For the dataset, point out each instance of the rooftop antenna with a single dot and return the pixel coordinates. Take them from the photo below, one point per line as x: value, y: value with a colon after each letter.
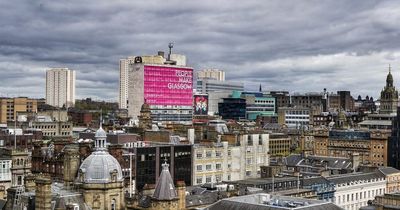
x: 389, y: 68
x: 170, y: 46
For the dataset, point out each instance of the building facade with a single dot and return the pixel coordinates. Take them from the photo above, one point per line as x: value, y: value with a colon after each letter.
x: 294, y: 117
x: 60, y: 87
x: 210, y: 85
x: 11, y: 107
x: 232, y: 108
x: 356, y: 189
x: 215, y: 74
x: 168, y: 89
x: 213, y: 163
x: 369, y: 146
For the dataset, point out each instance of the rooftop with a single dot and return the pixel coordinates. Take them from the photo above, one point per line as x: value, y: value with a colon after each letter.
x: 268, y: 201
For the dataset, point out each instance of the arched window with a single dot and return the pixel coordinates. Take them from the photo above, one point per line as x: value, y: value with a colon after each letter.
x: 113, y: 204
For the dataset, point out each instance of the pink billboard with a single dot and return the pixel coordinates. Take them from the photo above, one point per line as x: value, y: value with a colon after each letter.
x: 168, y: 85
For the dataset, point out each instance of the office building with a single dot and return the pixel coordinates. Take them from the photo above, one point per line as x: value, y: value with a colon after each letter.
x: 294, y: 117
x: 213, y: 163
x: 394, y: 143
x: 123, y: 81
x: 257, y: 104
x: 148, y: 162
x: 212, y: 85
x: 60, y: 87
x: 215, y: 74
x: 370, y: 147
x: 125, y: 65
x: 167, y: 88
x: 11, y: 107
x: 232, y: 108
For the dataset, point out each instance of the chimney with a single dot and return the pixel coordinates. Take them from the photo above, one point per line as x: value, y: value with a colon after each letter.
x: 29, y: 183
x: 71, y: 164
x: 181, y: 190
x: 43, y: 193
x: 161, y: 53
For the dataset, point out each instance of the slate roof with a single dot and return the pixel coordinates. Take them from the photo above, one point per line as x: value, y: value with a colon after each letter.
x: 2, y: 203
x: 271, y: 202
x: 315, y: 180
x: 388, y: 170
x: 318, y: 161
x: 346, y: 178
x: 165, y: 189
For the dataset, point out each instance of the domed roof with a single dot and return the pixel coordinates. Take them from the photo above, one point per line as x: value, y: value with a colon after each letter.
x: 100, y: 133
x: 98, y: 167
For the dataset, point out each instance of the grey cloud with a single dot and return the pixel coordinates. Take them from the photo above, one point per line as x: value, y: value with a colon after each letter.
x: 276, y: 43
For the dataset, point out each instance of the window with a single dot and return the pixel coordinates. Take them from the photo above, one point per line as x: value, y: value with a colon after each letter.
x: 208, y: 154
x: 218, y: 178
x: 217, y: 153
x: 199, y: 155
x: 208, y: 179
x: 199, y: 180
x: 218, y: 166
x: 229, y: 152
x: 248, y: 173
x: 113, y: 204
x: 199, y: 167
x: 208, y: 167
x: 248, y: 161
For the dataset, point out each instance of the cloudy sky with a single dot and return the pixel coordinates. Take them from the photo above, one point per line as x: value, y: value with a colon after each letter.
x: 297, y: 46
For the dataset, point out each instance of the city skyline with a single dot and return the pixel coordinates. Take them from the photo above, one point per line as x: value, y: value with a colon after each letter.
x: 337, y: 45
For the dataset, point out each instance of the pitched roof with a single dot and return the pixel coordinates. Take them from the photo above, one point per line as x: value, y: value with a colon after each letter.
x: 165, y: 189
x: 388, y: 170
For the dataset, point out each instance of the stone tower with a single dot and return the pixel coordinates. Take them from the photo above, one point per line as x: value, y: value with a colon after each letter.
x: 389, y: 96
x: 43, y: 193
x: 71, y: 164
x: 145, y: 121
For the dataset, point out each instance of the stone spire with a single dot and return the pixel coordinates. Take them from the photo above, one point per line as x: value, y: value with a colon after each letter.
x: 389, y: 79
x: 165, y: 189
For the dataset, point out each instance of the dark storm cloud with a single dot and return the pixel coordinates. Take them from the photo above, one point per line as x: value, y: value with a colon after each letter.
x: 295, y: 46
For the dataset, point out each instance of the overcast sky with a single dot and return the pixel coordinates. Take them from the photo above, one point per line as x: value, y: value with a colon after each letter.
x: 297, y: 46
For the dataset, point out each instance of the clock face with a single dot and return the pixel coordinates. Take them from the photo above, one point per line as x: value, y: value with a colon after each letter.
x: 138, y: 59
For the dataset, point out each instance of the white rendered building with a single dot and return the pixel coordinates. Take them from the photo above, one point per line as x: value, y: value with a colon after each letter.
x: 354, y: 190
x: 224, y: 162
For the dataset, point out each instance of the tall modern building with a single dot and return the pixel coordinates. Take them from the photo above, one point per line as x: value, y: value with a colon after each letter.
x: 123, y: 81
x: 124, y: 65
x: 60, y: 87
x: 211, y: 74
x: 167, y: 88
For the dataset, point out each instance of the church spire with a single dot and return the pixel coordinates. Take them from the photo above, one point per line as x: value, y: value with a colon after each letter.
x: 389, y: 78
